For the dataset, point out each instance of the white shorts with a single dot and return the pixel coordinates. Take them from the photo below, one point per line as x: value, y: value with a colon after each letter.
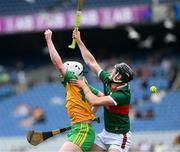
x: 108, y: 140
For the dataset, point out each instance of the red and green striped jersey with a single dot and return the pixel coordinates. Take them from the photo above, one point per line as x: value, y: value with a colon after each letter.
x: 116, y: 118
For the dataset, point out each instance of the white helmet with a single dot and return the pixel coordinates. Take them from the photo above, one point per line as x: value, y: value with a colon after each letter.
x: 75, y: 67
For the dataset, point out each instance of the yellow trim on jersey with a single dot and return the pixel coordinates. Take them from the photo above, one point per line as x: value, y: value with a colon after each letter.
x: 81, y: 135
x: 85, y: 135
x: 78, y: 134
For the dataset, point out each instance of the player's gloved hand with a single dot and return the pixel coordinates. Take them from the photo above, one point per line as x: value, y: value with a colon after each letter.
x: 48, y: 34
x: 77, y: 36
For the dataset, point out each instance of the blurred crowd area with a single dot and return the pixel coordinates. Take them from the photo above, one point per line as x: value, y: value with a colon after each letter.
x: 31, y: 94
x: 161, y: 147
x: 13, y: 79
x: 20, y: 77
x: 31, y: 6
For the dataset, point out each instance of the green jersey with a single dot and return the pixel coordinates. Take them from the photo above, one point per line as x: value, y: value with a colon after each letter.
x: 116, y: 118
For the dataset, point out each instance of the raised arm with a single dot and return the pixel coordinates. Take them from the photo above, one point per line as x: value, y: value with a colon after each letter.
x: 87, y: 56
x: 55, y: 58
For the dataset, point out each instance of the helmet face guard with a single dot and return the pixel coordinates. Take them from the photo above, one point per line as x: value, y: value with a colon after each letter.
x: 74, y: 67
x: 113, y: 77
x: 124, y: 70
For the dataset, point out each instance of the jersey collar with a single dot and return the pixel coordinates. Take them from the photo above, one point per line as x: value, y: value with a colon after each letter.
x: 118, y: 88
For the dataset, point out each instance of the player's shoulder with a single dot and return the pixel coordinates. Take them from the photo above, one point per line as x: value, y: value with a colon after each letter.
x: 103, y: 74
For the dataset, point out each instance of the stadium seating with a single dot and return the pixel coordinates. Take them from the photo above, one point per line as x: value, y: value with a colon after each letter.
x: 6, y: 90
x: 13, y: 7
x: 166, y: 113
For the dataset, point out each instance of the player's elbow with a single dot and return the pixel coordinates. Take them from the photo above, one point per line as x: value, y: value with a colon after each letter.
x: 95, y: 102
x: 99, y: 102
x: 59, y: 66
x: 100, y: 94
x: 56, y: 62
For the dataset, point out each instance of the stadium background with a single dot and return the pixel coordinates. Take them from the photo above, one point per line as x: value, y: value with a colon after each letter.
x: 143, y: 33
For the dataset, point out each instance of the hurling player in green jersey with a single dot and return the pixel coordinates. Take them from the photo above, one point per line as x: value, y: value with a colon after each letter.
x: 116, y: 135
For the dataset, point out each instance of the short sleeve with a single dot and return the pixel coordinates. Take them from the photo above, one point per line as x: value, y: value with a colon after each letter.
x: 120, y: 98
x: 93, y: 90
x: 104, y: 76
x: 68, y: 76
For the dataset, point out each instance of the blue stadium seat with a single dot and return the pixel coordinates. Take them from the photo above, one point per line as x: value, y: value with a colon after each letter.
x: 13, y: 7
x: 166, y: 113
x: 6, y: 90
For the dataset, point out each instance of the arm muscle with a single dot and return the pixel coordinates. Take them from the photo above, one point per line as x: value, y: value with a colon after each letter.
x: 55, y: 58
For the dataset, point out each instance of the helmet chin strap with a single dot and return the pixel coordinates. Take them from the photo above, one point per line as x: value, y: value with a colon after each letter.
x: 113, y: 87
x: 81, y: 74
x: 114, y: 78
x: 116, y: 82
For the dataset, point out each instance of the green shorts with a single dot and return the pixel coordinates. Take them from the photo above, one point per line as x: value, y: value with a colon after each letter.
x: 82, y: 134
